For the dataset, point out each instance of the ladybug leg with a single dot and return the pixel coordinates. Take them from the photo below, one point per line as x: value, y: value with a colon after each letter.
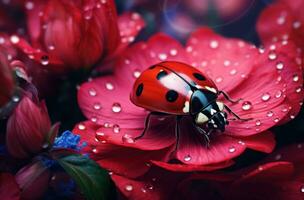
x: 229, y: 98
x: 234, y: 114
x: 205, y: 134
x: 147, y: 123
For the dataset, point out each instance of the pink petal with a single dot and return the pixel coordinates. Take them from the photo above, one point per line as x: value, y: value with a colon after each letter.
x: 227, y: 61
x: 191, y: 168
x: 264, y: 142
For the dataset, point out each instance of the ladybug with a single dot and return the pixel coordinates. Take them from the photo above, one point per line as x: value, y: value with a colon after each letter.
x: 175, y: 88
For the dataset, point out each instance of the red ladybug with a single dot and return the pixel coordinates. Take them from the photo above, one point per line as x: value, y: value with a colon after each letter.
x: 175, y: 88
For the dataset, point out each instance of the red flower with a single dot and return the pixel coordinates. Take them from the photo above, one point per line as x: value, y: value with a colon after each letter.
x: 76, y: 34
x: 280, y: 176
x: 283, y: 20
x: 9, y: 189
x: 268, y: 81
x: 7, y: 83
x: 29, y: 129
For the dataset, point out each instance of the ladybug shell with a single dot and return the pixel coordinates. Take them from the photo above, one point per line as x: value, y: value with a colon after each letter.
x: 167, y: 87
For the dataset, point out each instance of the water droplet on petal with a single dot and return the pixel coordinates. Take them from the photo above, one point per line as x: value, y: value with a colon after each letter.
x: 187, y: 158
x: 296, y: 24
x: 128, y: 139
x: 129, y: 188
x: 109, y: 86
x: 276, y: 120
x: 15, y: 39
x: 116, y: 108
x: 81, y: 127
x: 280, y: 65
x: 94, y: 150
x: 295, y: 78
x: 15, y: 99
x: 92, y: 92
x: 266, y: 96
x: 45, y: 145
x: 214, y: 44
x: 162, y: 56
x: 246, y: 105
x: 116, y: 128
x: 258, y: 122
x: 302, y: 189
x: 136, y: 73
x: 292, y: 116
x: 29, y: 5
x: 94, y: 119
x: 233, y: 72
x: 278, y: 94
x: 269, y: 114
x: 219, y: 79
x: 232, y: 149
x: 260, y: 168
x: 173, y: 52
x: 299, y: 89
x: 272, y: 55
x: 97, y: 106
x: 241, y: 143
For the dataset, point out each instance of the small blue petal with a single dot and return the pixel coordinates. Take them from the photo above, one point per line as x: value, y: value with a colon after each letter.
x: 68, y: 140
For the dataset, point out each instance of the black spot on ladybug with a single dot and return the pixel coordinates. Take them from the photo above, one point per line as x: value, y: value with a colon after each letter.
x: 161, y: 74
x: 139, y: 89
x: 152, y: 67
x: 171, y: 96
x: 199, y: 76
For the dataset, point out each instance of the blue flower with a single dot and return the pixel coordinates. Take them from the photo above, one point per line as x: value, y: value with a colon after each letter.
x: 68, y: 140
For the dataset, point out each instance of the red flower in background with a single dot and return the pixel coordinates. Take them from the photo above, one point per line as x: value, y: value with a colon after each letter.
x: 269, y: 82
x: 9, y: 189
x: 280, y: 176
x: 283, y: 20
x: 7, y: 83
x: 76, y: 34
x: 29, y: 129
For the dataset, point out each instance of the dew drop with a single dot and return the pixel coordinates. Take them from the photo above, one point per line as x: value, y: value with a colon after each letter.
x: 278, y: 94
x: 44, y: 60
x: 241, y: 143
x: 150, y: 187
x: 232, y: 149
x: 296, y: 24
x: 302, y: 189
x: 280, y: 65
x: 29, y: 5
x: 143, y: 190
x: 281, y: 20
x: 81, y: 127
x: 187, y: 158
x: 162, y: 56
x: 173, y: 52
x: 227, y: 63
x: 214, y: 44
x: 109, y: 86
x: 276, y: 120
x: 246, y: 105
x: 97, y: 106
x: 219, y: 79
x: 278, y: 157
x: 295, y: 78
x: 116, y: 108
x: 94, y: 150
x: 299, y: 89
x: 116, y: 128
x: 94, y: 119
x: 15, y: 39
x: 272, y: 55
x: 136, y: 73
x: 15, y: 99
x: 266, y: 97
x: 129, y: 188
x: 92, y: 92
x: 128, y: 139
x: 233, y: 72
x: 269, y: 114
x: 292, y: 116
x: 45, y: 145
x: 258, y: 122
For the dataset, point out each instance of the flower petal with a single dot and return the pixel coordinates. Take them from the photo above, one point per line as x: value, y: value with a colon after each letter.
x: 9, y: 189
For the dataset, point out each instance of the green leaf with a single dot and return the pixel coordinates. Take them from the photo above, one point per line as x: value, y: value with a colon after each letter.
x: 93, y: 181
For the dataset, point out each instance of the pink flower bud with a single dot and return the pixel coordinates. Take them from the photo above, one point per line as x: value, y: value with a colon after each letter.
x: 29, y: 129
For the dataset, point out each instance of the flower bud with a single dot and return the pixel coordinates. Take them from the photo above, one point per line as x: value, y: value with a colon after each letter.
x: 78, y: 33
x: 29, y: 129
